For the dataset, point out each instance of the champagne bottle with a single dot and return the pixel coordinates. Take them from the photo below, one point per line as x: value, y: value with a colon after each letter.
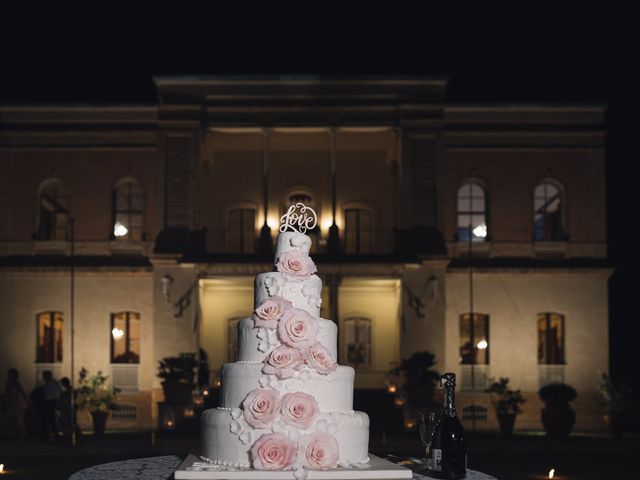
x: 447, y: 450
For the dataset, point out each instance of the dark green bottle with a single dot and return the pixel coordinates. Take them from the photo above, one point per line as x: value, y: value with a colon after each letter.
x: 447, y: 450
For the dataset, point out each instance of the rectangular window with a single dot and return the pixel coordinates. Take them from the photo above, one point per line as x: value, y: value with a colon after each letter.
x: 357, y: 342
x: 357, y: 231
x: 551, y: 339
x: 49, y: 341
x: 241, y: 230
x: 125, y: 337
x: 474, y: 339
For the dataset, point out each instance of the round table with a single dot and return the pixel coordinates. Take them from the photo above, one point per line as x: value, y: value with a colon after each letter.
x: 162, y: 468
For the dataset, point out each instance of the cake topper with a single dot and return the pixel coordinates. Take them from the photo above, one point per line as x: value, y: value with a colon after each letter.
x: 299, y: 218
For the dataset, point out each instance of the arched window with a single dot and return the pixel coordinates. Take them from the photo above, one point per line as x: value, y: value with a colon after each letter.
x: 357, y: 342
x: 241, y: 230
x: 128, y: 210
x: 472, y: 213
x: 53, y: 210
x: 550, y: 339
x: 125, y: 337
x: 49, y: 340
x: 548, y: 213
x: 474, y: 339
x: 232, y: 339
x: 357, y: 230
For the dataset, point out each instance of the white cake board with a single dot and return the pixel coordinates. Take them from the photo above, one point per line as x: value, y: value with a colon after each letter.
x: 377, y: 468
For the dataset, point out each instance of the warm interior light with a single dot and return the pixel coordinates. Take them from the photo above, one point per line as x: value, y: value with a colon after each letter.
x: 552, y: 473
x: 410, y: 423
x: 482, y: 344
x: 117, y: 333
x: 480, y: 231
x: 119, y: 230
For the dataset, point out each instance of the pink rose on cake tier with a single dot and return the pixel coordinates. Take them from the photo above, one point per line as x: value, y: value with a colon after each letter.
x: 320, y: 451
x: 268, y: 313
x: 297, y: 328
x: 319, y: 358
x: 296, y: 263
x: 284, y: 362
x: 273, y: 451
x: 299, y: 409
x: 261, y: 406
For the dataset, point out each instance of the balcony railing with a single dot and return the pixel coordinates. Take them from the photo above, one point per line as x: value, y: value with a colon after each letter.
x: 374, y: 242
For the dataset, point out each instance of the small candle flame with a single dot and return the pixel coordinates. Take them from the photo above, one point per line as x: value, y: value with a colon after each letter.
x: 552, y: 473
x: 392, y: 389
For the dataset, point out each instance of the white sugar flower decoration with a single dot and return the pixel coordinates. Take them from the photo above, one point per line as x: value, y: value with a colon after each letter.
x: 236, y: 413
x: 235, y: 427
x: 245, y: 437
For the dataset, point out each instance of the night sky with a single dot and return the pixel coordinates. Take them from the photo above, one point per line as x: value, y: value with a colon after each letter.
x: 543, y: 52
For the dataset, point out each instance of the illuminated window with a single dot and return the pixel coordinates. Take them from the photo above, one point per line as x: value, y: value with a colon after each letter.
x: 357, y: 231
x: 241, y: 230
x: 474, y: 339
x: 472, y: 213
x: 547, y: 213
x: 49, y: 337
x: 357, y: 342
x: 125, y: 337
x: 232, y: 339
x: 53, y: 211
x: 128, y: 208
x: 550, y: 339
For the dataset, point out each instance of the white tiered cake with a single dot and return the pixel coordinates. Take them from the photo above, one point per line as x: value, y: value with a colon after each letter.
x: 286, y: 404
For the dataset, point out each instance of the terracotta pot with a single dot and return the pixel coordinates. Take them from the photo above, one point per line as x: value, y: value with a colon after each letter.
x: 99, y: 422
x: 507, y: 422
x: 615, y: 423
x: 177, y: 393
x: 558, y: 419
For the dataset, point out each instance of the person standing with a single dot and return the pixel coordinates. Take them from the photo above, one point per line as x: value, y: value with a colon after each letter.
x: 17, y: 403
x: 52, y: 391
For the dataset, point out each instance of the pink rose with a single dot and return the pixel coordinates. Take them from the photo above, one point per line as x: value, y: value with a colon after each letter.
x: 320, y: 451
x: 296, y: 263
x: 299, y: 409
x: 283, y: 361
x: 261, y: 406
x: 269, y: 312
x: 319, y: 358
x: 297, y: 328
x: 273, y: 451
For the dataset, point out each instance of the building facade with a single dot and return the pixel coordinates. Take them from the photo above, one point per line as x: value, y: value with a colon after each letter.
x: 476, y: 232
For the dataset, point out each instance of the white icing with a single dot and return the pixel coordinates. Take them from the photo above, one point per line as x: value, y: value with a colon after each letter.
x: 251, y: 350
x: 295, y: 289
x: 333, y: 392
x: 292, y: 241
x: 219, y: 443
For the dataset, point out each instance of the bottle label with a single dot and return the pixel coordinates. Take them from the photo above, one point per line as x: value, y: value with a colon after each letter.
x: 436, y: 462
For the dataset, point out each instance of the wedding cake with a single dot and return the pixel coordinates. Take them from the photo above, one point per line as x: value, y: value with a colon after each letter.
x: 285, y: 404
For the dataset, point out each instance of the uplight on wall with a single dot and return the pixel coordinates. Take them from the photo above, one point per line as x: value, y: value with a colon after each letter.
x: 119, y: 230
x: 117, y: 333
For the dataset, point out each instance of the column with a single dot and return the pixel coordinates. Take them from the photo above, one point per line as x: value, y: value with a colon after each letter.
x: 333, y: 244
x: 265, y: 245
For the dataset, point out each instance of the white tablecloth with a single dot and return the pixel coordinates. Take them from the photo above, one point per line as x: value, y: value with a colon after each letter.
x: 162, y: 468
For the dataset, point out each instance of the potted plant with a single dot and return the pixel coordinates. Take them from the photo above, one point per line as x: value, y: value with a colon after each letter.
x: 419, y: 378
x: 97, y: 396
x: 178, y: 375
x: 557, y: 416
x: 615, y: 400
x: 506, y: 403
